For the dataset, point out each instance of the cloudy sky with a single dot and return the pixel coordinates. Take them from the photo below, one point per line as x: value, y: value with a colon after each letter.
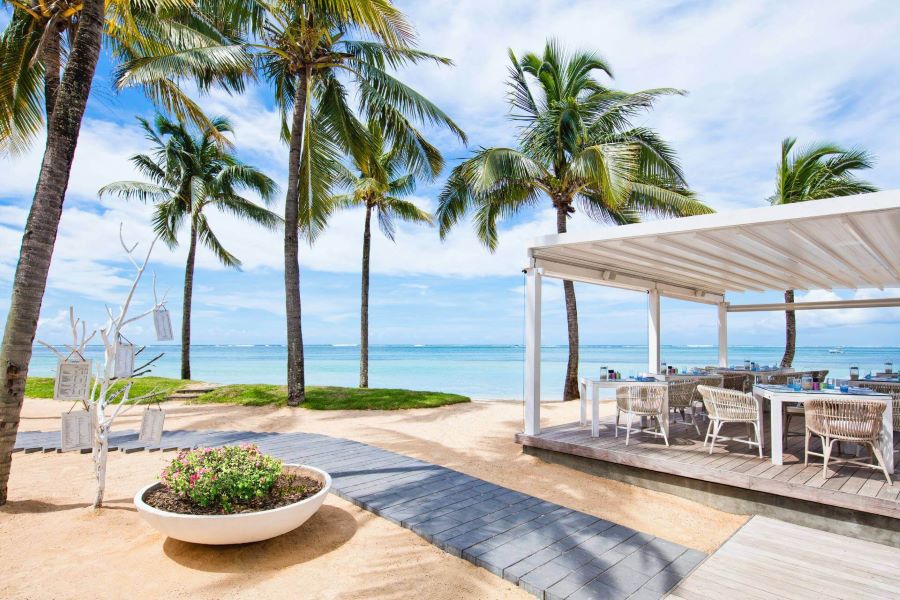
x: 755, y: 72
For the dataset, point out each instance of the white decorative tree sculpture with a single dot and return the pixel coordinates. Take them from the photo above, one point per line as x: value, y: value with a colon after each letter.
x: 105, y: 404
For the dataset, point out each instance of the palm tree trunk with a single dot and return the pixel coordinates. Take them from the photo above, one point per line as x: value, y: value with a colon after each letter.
x: 364, y: 304
x: 50, y: 58
x: 570, y: 390
x: 790, y: 329
x: 42, y: 225
x: 186, y: 305
x: 295, y: 375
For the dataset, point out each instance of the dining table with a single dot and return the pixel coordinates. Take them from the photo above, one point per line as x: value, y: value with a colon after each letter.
x: 778, y: 395
x: 596, y: 384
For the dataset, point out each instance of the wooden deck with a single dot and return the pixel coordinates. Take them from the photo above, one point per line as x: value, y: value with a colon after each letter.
x: 732, y: 464
x: 769, y: 559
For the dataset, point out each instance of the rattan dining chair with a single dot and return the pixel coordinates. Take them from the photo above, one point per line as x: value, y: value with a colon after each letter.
x: 641, y: 401
x: 682, y: 396
x: 730, y: 406
x: 736, y: 381
x: 854, y: 421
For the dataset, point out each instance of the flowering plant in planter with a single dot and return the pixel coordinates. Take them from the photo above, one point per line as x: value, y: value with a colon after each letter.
x: 221, y: 478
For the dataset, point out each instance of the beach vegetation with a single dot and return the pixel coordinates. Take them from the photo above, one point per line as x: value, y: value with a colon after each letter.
x: 382, y: 175
x: 189, y: 176
x: 331, y: 398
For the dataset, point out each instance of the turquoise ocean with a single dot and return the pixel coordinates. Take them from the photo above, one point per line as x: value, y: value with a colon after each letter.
x: 482, y: 372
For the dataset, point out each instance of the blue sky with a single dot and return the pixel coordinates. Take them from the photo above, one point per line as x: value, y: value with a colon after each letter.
x: 755, y: 72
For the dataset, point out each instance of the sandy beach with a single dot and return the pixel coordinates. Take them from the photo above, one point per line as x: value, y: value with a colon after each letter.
x: 343, y: 552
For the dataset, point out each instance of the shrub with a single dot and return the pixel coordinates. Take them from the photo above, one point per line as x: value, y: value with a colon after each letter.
x: 222, y: 477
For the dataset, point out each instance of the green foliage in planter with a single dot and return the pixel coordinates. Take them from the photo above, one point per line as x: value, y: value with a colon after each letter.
x: 222, y: 477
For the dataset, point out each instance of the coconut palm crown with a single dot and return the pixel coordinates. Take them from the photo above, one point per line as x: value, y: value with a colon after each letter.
x: 577, y: 146
x: 813, y: 173
x: 192, y: 36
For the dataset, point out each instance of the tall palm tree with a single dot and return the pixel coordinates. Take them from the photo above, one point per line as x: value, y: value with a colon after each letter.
x: 35, y: 87
x: 303, y: 48
x: 188, y: 175
x: 577, y: 146
x: 382, y: 177
x: 813, y: 173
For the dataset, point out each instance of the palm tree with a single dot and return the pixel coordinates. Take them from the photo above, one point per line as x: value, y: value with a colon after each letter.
x: 813, y: 173
x: 188, y: 175
x: 34, y: 87
x: 303, y: 48
x: 577, y: 146
x: 381, y: 179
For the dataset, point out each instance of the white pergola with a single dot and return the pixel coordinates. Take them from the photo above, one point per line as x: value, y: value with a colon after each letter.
x: 851, y: 242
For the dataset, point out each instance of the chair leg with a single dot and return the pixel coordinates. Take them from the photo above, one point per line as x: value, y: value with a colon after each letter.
x: 712, y: 444
x: 617, y: 422
x: 709, y: 427
x: 806, y: 448
x: 663, y: 430
x: 826, y: 450
x: 877, y: 454
x: 628, y: 428
x: 758, y: 438
x: 694, y: 420
x: 786, y: 427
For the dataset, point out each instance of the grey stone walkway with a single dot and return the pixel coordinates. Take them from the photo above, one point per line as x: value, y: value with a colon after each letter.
x: 550, y: 551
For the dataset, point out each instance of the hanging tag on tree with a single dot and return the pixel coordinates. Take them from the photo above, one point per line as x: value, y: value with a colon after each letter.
x: 125, y: 352
x: 73, y: 380
x: 162, y: 322
x: 152, y: 426
x: 75, y: 430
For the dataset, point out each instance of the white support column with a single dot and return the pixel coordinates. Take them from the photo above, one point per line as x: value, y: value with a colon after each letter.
x: 532, y: 351
x: 723, y: 334
x: 653, y: 331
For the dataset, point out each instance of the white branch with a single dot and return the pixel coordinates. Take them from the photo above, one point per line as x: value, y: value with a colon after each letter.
x: 52, y: 349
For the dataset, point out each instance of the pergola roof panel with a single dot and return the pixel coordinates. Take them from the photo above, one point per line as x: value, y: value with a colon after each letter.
x: 850, y: 242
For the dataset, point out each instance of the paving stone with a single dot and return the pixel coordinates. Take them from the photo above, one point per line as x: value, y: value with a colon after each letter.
x: 597, y: 590
x: 622, y: 578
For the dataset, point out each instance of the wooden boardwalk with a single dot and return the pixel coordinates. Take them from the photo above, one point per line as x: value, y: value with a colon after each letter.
x: 549, y: 550
x: 731, y: 463
x: 769, y: 559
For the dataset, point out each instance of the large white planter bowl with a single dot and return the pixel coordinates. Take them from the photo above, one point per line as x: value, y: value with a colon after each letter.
x: 235, y: 528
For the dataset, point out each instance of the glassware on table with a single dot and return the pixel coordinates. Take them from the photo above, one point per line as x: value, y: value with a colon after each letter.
x: 747, y: 365
x: 794, y: 383
x: 845, y: 388
x: 604, y: 373
x: 854, y: 372
x: 888, y: 367
x: 806, y: 382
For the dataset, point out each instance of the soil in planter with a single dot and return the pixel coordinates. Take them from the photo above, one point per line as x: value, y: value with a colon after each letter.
x: 288, y: 489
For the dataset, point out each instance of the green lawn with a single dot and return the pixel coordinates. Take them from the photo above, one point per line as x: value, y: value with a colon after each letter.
x: 42, y: 387
x: 331, y: 398
x: 317, y: 398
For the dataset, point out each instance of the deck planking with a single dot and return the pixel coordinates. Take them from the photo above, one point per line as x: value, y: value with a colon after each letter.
x: 731, y: 463
x: 768, y: 558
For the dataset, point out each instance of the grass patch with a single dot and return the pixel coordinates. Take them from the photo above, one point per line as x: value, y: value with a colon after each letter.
x: 330, y: 398
x: 42, y: 387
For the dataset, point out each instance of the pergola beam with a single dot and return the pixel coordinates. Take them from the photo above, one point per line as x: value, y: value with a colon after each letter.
x: 821, y: 305
x: 560, y: 270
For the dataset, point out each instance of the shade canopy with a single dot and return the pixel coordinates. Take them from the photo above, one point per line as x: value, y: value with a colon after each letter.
x: 840, y: 243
